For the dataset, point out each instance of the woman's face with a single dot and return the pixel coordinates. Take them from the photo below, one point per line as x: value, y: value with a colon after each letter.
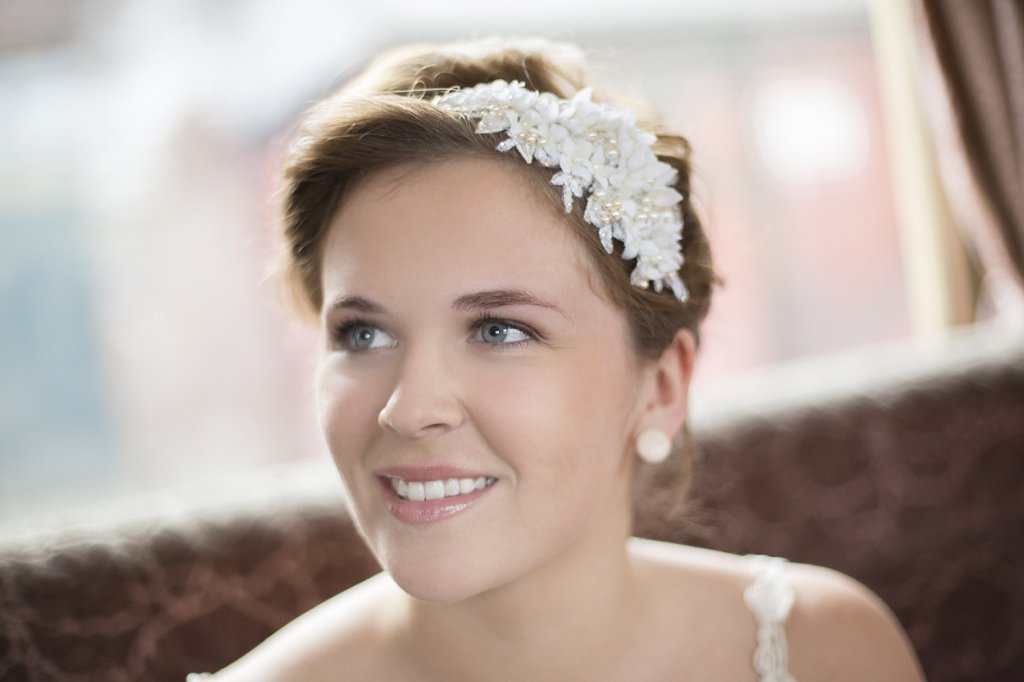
x: 469, y: 359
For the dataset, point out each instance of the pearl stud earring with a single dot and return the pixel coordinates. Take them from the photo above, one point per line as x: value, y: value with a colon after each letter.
x: 653, y: 445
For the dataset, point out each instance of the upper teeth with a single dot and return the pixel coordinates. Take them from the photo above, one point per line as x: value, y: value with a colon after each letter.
x: 418, y: 491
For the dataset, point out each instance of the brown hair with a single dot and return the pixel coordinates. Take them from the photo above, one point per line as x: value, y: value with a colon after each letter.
x: 384, y: 118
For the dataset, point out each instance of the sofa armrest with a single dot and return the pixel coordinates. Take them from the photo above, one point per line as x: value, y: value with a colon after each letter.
x: 191, y: 586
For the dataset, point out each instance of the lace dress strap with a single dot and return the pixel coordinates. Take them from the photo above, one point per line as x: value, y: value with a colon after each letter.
x: 770, y: 598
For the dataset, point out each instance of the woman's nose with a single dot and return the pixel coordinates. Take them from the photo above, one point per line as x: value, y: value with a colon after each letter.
x: 423, y: 401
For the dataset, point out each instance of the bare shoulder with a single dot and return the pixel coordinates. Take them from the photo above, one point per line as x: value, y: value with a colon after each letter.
x: 341, y: 635
x: 837, y: 630
x: 841, y: 630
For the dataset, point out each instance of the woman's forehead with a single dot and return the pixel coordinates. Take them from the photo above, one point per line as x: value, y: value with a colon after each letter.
x: 466, y: 224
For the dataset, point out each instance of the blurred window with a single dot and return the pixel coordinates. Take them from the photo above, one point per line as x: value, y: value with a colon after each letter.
x: 141, y: 344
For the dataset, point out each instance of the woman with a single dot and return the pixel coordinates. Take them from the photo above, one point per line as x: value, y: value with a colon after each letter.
x: 510, y: 286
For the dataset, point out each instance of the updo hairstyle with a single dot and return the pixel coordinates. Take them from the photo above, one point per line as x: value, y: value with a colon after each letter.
x: 384, y: 118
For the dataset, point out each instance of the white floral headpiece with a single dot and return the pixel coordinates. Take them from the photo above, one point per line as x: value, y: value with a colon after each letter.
x: 599, y: 152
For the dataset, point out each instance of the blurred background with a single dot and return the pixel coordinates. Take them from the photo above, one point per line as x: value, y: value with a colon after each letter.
x: 142, y: 345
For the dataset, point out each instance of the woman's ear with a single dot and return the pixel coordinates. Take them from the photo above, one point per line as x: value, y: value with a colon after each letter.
x: 667, y: 387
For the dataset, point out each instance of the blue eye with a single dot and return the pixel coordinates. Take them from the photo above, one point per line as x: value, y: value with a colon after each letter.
x: 363, y: 336
x: 496, y: 332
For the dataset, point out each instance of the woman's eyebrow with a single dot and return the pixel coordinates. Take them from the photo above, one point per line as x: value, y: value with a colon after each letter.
x: 359, y: 303
x: 497, y: 298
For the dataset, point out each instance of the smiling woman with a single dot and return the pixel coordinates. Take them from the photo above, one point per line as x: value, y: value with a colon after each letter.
x: 470, y: 374
x: 510, y: 279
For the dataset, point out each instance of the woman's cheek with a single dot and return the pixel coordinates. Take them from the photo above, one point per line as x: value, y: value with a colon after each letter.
x: 524, y: 392
x: 345, y: 408
x: 522, y: 411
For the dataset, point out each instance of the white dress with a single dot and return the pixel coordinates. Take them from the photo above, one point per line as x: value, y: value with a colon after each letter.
x: 769, y: 598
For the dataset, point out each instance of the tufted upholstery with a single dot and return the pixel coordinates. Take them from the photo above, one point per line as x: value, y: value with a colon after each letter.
x: 906, y: 475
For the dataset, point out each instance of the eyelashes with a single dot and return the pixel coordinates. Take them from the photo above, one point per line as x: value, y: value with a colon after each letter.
x: 357, y: 334
x: 360, y: 334
x: 486, y: 324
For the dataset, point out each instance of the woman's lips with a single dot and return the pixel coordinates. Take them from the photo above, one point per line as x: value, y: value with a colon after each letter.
x: 427, y: 495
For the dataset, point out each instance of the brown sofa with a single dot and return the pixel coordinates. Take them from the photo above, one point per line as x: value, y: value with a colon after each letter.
x: 903, y: 468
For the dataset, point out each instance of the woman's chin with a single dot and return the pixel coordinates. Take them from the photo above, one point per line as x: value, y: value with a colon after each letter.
x: 444, y: 582
x: 436, y: 587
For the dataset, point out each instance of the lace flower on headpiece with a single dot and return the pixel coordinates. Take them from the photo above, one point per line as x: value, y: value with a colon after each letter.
x: 599, y: 154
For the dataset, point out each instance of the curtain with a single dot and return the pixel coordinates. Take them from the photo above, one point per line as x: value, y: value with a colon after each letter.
x: 971, y: 55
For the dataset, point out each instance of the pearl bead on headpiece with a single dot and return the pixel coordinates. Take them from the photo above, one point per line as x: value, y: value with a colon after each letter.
x: 600, y: 154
